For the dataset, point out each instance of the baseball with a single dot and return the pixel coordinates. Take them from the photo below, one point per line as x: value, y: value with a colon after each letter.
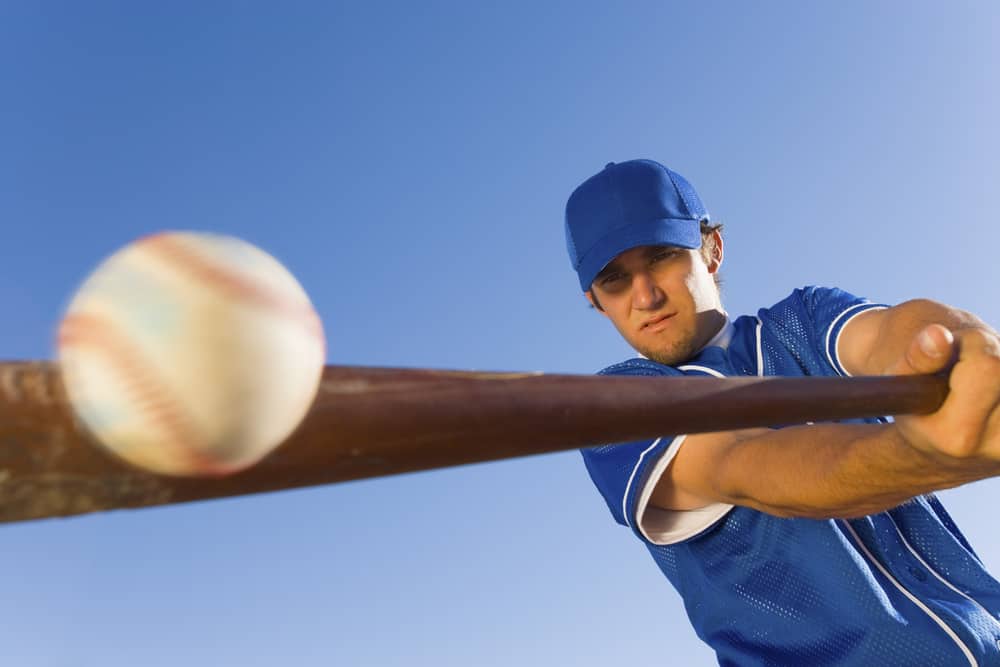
x: 191, y: 353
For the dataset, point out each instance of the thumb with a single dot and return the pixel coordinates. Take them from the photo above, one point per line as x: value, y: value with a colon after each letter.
x: 930, y: 351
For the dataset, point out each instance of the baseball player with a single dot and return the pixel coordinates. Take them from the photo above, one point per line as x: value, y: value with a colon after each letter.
x: 807, y: 545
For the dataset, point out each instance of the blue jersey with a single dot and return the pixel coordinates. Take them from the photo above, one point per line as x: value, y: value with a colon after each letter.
x: 901, y: 587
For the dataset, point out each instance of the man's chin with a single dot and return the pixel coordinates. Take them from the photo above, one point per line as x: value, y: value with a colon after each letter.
x: 672, y: 357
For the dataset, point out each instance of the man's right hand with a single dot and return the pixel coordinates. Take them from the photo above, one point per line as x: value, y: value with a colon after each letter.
x: 966, y: 429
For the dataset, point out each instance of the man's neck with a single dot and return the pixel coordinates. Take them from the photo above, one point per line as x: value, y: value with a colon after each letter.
x: 716, y: 321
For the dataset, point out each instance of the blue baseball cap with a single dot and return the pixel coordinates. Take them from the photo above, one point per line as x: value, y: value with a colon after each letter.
x: 629, y: 204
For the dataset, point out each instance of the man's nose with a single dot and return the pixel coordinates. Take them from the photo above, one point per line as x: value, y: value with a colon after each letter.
x: 646, y: 294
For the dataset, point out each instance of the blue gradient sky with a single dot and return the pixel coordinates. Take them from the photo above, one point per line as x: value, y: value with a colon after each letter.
x: 410, y: 163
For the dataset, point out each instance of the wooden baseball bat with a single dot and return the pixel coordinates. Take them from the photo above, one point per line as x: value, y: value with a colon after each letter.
x: 369, y: 422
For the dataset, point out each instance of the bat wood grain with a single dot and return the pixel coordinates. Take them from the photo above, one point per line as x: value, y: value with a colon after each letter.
x: 370, y: 422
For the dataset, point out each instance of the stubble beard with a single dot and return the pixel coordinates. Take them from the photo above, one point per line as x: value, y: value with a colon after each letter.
x: 672, y: 353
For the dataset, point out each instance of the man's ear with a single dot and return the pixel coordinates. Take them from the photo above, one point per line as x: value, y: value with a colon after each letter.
x: 717, y: 252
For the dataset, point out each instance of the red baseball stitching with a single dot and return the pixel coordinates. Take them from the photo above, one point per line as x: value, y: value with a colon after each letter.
x: 149, y: 392
x: 188, y: 259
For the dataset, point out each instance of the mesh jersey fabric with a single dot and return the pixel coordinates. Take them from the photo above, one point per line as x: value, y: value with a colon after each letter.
x: 901, y: 587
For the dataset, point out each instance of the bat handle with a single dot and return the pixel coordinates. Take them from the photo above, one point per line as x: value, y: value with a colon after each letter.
x: 918, y: 394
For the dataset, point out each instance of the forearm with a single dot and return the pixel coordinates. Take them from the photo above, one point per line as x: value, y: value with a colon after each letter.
x: 834, y: 470
x: 847, y: 470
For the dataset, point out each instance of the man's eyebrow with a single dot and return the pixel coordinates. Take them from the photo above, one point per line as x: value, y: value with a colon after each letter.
x: 649, y: 251
x: 654, y: 249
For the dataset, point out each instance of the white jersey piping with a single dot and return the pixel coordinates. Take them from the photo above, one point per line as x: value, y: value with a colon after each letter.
x: 839, y: 367
x: 702, y: 369
x: 760, y: 352
x: 681, y: 524
x: 933, y: 571
x: 912, y: 598
x: 631, y: 478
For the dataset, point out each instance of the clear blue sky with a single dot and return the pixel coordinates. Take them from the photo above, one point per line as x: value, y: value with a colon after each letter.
x: 410, y: 163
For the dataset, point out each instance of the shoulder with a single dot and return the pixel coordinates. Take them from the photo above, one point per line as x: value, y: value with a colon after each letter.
x: 801, y: 332
x: 813, y: 304
x: 812, y: 296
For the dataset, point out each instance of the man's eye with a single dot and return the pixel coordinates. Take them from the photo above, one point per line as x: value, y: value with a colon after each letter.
x: 611, y: 279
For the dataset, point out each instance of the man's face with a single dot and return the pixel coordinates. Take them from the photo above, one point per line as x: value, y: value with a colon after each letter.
x: 662, y: 299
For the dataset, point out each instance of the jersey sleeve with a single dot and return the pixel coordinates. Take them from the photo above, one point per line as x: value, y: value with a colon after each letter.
x: 809, y: 323
x: 627, y: 473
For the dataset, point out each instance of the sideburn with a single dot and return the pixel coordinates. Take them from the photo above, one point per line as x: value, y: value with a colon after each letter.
x: 595, y: 303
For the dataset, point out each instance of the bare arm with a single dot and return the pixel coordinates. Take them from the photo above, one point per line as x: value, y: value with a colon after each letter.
x: 820, y: 471
x: 846, y: 470
x: 876, y: 340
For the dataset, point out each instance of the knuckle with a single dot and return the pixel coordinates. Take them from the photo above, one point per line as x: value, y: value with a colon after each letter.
x: 990, y: 368
x: 980, y: 343
x: 963, y: 443
x: 993, y: 345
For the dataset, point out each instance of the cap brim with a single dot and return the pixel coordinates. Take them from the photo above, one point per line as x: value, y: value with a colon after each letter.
x: 684, y: 233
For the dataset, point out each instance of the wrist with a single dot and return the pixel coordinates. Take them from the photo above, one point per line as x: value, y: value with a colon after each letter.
x: 949, y: 468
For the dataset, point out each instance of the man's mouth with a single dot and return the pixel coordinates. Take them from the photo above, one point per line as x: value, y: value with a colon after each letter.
x: 656, y: 323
